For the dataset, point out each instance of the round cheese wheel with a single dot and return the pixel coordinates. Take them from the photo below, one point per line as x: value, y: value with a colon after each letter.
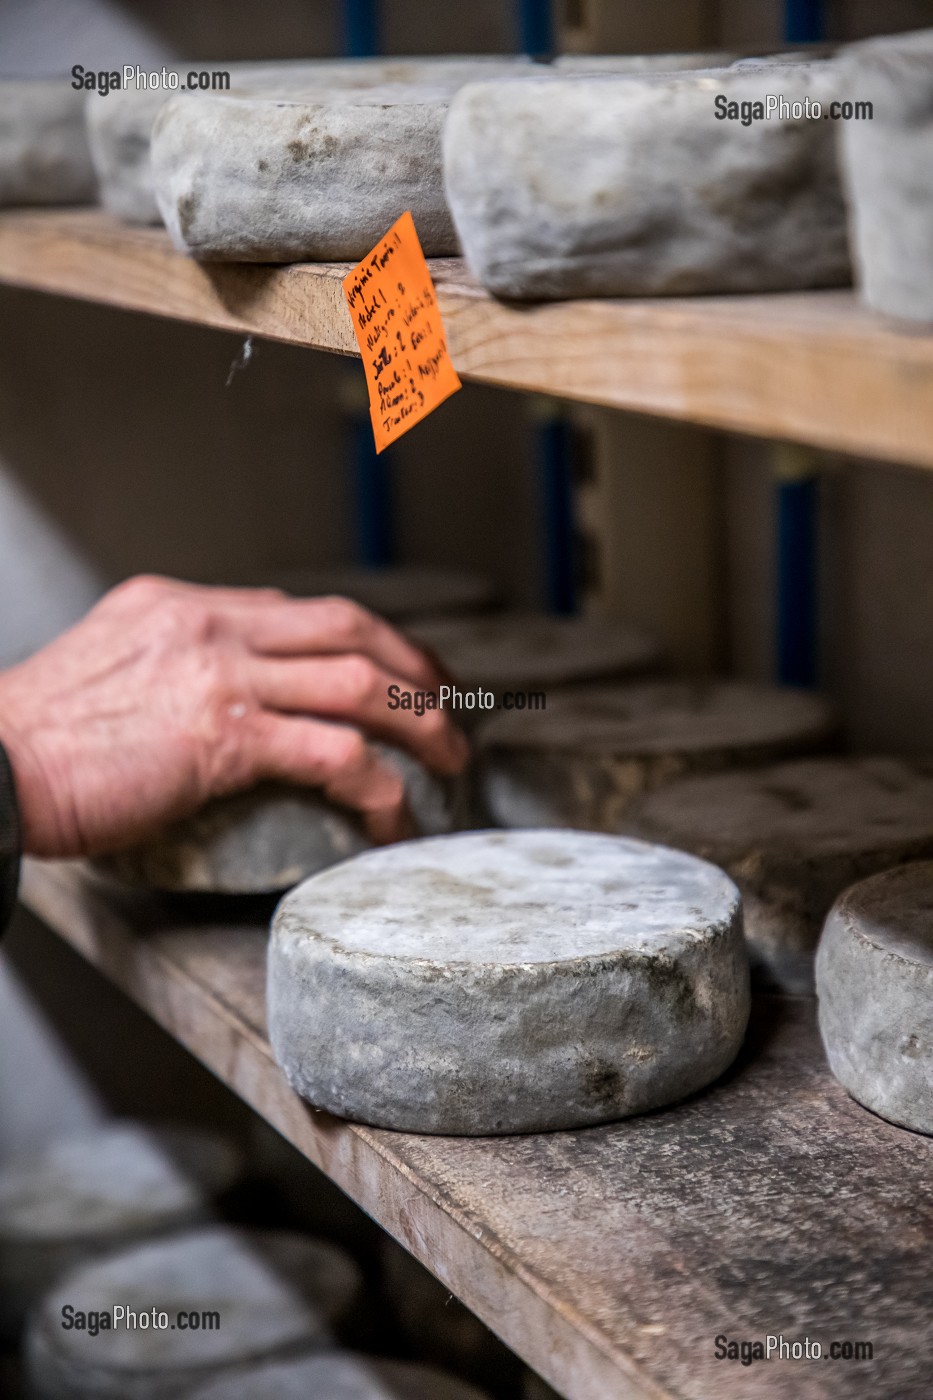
x: 888, y: 199
x: 624, y: 184
x: 120, y: 129
x: 272, y: 1292
x: 44, y: 155
x: 460, y: 985
x: 341, y: 1376
x: 93, y: 1191
x: 269, y: 838
x: 582, y: 760
x: 874, y: 979
x: 398, y: 593
x: 642, y: 62
x: 792, y: 836
x: 302, y: 176
x: 520, y: 650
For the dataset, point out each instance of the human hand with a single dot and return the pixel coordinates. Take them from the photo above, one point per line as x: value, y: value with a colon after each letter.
x: 167, y: 694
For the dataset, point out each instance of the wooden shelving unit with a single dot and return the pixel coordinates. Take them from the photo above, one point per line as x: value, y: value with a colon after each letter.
x: 609, y: 1259
x: 816, y: 368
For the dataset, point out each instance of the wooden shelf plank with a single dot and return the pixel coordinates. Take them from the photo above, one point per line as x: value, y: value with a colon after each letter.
x: 610, y: 1259
x: 816, y: 368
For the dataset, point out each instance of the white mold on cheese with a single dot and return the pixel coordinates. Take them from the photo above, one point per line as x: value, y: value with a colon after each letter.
x: 887, y: 157
x: 341, y: 1376
x: 638, y: 185
x: 44, y: 155
x: 792, y: 836
x: 273, y: 1292
x: 120, y: 125
x: 874, y: 977
x: 94, y: 1191
x: 499, y: 982
x: 535, y: 649
x: 584, y: 760
x: 269, y: 838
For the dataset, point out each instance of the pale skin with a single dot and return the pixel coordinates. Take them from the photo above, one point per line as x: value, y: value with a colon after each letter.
x: 168, y: 694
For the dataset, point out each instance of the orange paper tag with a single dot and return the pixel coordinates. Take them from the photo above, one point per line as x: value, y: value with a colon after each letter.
x: 393, y: 306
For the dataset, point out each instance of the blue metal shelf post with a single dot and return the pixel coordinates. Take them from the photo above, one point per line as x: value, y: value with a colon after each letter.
x: 797, y: 511
x: 360, y: 28
x: 535, y: 24
x: 804, y: 21
x: 797, y: 489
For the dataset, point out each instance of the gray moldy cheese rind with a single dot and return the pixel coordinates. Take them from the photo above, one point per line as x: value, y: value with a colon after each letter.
x: 269, y: 838
x: 577, y: 63
x: 263, y: 179
x: 874, y: 980
x: 399, y: 593
x: 506, y: 982
x: 792, y: 836
x: 44, y: 155
x: 532, y: 649
x: 119, y: 127
x: 341, y: 1376
x: 888, y: 168
x: 595, y: 749
x: 119, y: 132
x: 630, y: 185
x: 816, y: 53
x: 253, y: 843
x: 698, y: 62
x: 92, y: 1191
x: 275, y: 1292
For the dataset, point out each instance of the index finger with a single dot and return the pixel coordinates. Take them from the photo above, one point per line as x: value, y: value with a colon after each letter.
x: 329, y: 627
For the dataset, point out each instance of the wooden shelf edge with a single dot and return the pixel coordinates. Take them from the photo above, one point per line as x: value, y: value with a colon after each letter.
x: 553, y: 1339
x: 816, y: 368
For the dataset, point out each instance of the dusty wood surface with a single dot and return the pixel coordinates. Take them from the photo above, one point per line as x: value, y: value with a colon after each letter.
x: 813, y: 367
x: 611, y: 1258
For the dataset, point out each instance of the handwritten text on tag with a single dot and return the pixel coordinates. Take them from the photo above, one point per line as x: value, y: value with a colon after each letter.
x: 395, y: 315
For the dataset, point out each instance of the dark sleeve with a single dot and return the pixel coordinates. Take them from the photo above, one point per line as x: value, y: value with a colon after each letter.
x: 10, y: 840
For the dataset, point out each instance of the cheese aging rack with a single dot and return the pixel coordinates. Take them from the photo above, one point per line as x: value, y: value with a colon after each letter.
x: 795, y: 1211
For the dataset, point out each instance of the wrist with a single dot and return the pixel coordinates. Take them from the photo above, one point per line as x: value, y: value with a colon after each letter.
x: 38, y: 825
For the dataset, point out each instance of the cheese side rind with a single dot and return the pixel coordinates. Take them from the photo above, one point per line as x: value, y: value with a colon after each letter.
x: 498, y: 982
x: 44, y: 155
x: 874, y: 979
x: 639, y: 185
